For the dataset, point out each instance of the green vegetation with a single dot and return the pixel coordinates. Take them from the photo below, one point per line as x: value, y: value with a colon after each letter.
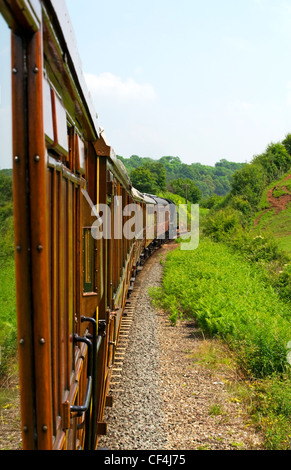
x: 237, y: 285
x: 202, y: 181
x: 185, y: 188
x: 8, y: 330
x: 231, y: 219
x: 232, y: 299
x: 269, y: 219
x: 229, y: 297
x: 150, y: 178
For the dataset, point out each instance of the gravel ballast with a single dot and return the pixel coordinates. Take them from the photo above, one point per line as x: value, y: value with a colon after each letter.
x: 137, y: 417
x: 162, y: 394
x: 161, y: 397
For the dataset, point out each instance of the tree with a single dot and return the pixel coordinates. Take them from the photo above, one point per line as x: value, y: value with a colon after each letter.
x: 5, y: 188
x: 275, y: 161
x: 158, y: 172
x: 143, y: 180
x: 172, y: 166
x: 184, y: 187
x: 249, y: 182
x: 287, y: 143
x: 209, y: 179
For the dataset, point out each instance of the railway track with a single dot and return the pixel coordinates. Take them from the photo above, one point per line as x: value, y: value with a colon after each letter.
x: 162, y: 397
x: 139, y: 419
x: 126, y: 324
x: 63, y: 170
x: 135, y: 420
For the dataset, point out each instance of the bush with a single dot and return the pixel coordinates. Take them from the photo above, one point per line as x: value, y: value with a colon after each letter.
x: 242, y: 205
x: 222, y: 224
x: 249, y: 182
x: 256, y: 248
x: 229, y: 298
x: 8, y: 350
x: 213, y: 201
x: 271, y: 409
x: 5, y: 187
x: 8, y: 326
x: 275, y: 161
x: 178, y: 186
x: 283, y: 283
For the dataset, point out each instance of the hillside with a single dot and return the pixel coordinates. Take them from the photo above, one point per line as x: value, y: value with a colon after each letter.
x: 275, y: 216
x: 236, y: 286
x: 172, y: 174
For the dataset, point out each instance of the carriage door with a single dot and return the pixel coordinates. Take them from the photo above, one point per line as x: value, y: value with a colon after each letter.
x: 86, y: 332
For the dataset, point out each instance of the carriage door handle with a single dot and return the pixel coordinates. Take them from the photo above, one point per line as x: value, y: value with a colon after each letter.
x: 83, y: 408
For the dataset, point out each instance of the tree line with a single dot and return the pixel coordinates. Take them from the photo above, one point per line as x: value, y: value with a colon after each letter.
x: 196, y: 181
x: 249, y: 182
x: 6, y: 216
x: 231, y: 218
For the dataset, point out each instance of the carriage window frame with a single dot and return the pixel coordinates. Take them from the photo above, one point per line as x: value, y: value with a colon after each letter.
x: 89, y: 261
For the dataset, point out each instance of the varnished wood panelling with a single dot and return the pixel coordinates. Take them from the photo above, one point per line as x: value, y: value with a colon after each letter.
x: 22, y: 244
x: 39, y: 242
x: 54, y: 194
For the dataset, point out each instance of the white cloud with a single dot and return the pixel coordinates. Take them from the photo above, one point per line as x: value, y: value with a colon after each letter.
x: 126, y: 109
x: 109, y: 86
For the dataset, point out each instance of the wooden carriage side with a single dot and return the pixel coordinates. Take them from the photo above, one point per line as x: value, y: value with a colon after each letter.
x: 71, y: 288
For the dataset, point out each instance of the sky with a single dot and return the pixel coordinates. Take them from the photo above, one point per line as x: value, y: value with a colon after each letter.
x: 199, y: 80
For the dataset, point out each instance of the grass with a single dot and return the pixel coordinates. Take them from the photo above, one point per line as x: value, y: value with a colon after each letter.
x: 267, y: 401
x: 216, y: 410
x: 8, y: 328
x: 214, y: 355
x: 7, y: 299
x: 231, y: 299
x: 285, y: 184
x: 276, y: 225
x: 264, y: 204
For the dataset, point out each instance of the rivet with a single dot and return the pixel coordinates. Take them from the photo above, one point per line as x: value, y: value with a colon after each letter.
x: 14, y: 70
x: 21, y: 342
x: 42, y: 341
x: 25, y: 429
x: 18, y: 248
x: 16, y: 159
x: 35, y: 69
x: 36, y: 158
x: 44, y: 428
x: 39, y: 248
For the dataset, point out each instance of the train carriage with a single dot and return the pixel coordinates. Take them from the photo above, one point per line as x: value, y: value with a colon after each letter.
x: 71, y: 286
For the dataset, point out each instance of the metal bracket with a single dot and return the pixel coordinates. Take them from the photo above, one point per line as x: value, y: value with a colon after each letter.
x: 80, y: 409
x: 102, y: 328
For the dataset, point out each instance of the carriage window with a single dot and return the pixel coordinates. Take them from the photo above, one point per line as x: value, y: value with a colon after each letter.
x: 60, y: 126
x: 88, y: 252
x: 80, y: 155
x: 5, y: 97
x: 48, y: 113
